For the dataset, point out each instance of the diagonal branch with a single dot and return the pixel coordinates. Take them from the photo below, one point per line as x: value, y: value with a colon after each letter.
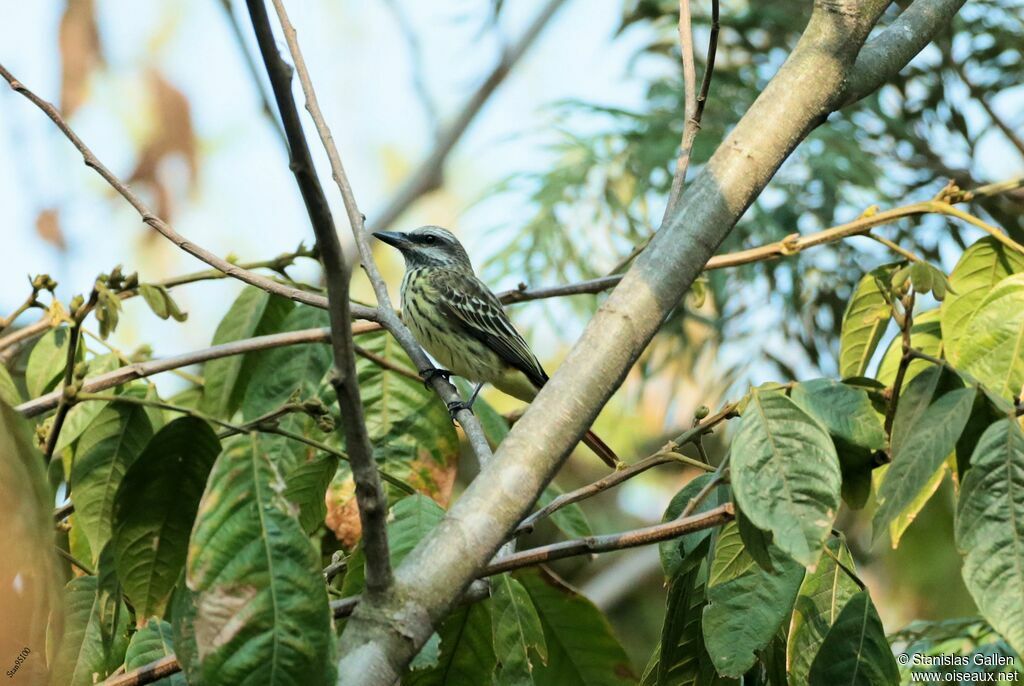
x: 373, y: 503
x: 162, y: 227
x: 385, y: 313
x: 428, y: 175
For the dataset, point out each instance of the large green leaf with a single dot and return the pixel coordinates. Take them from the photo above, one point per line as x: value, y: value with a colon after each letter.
x: 979, y: 269
x: 255, y: 312
x: 261, y: 603
x: 864, y: 322
x: 920, y: 453
x: 992, y: 348
x: 105, y: 452
x: 856, y: 431
x: 823, y: 594
x: 46, y: 361
x: 284, y: 372
x: 306, y: 484
x: 84, y: 657
x: 9, y: 392
x: 785, y: 474
x: 154, y: 509
x: 925, y: 335
x: 518, y: 635
x: 467, y: 655
x: 990, y: 529
x: 855, y: 651
x: 746, y: 605
x: 82, y: 414
x: 582, y: 651
x: 410, y: 520
x: 150, y: 643
x: 27, y: 561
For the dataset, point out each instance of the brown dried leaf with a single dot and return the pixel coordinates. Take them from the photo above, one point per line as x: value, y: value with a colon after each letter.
x: 343, y: 512
x: 172, y: 136
x: 48, y: 228
x: 80, y: 53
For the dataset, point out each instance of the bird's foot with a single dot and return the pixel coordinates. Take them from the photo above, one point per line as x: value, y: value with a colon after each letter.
x: 429, y: 375
x: 456, y: 406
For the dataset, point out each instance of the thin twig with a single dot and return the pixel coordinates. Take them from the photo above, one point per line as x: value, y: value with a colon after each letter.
x: 385, y: 312
x: 668, y: 453
x: 70, y: 558
x: 146, y: 674
x: 690, y: 122
x: 68, y: 389
x: 796, y: 243
x: 162, y: 227
x: 372, y: 501
x: 892, y: 245
x: 600, y: 544
x: 905, y: 359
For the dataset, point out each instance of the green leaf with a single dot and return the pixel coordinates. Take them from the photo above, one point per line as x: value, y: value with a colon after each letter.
x: 925, y: 335
x: 255, y: 312
x: 410, y: 520
x: 294, y: 370
x: 680, y: 554
x: 746, y: 605
x: 854, y: 425
x: 785, y: 474
x: 160, y: 302
x: 681, y: 658
x: 823, y: 594
x: 154, y: 509
x: 105, y: 452
x: 570, y: 520
x: 864, y: 322
x: 979, y: 269
x: 518, y: 634
x: 306, y: 485
x: 756, y: 543
x: 29, y: 554
x: 990, y: 529
x: 921, y: 451
x: 83, y: 659
x: 46, y: 361
x: 150, y: 643
x: 992, y: 348
x: 256, y: 579
x: 854, y: 651
x: 582, y: 651
x: 467, y: 656
x: 82, y: 414
x: 9, y: 392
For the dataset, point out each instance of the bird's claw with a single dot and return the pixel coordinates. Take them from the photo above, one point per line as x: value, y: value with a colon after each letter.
x: 429, y: 375
x: 456, y: 406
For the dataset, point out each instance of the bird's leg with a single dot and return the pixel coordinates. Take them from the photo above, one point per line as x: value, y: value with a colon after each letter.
x: 457, y: 406
x: 429, y: 374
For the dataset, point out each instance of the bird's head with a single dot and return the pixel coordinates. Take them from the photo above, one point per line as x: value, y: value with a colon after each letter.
x: 428, y: 246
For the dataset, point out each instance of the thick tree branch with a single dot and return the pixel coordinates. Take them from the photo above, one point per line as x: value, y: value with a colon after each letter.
x: 373, y: 503
x: 385, y: 312
x: 887, y: 53
x: 798, y: 99
x: 162, y: 227
x: 429, y: 174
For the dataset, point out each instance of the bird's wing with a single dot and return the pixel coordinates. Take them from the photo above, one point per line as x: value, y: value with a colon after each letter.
x: 466, y: 299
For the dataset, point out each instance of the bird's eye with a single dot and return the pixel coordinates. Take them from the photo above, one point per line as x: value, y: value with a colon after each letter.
x: 430, y: 240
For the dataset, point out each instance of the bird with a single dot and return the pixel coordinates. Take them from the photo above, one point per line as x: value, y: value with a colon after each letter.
x: 462, y: 324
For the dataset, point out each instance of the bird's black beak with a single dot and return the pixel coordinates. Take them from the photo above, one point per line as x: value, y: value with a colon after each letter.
x: 393, y: 238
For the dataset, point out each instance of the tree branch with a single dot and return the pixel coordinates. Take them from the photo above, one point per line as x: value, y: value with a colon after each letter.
x: 795, y: 243
x: 428, y: 175
x: 798, y: 99
x: 887, y: 53
x: 162, y: 227
x: 370, y: 496
x: 385, y: 313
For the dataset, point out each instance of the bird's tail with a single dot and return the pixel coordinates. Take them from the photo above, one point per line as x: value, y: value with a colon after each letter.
x: 601, y: 449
